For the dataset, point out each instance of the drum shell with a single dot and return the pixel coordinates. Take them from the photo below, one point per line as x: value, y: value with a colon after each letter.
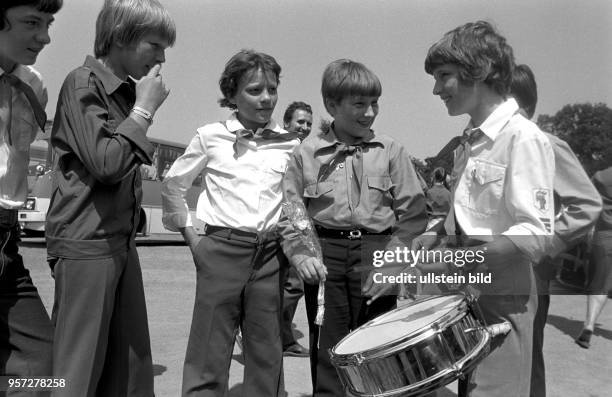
x: 419, y: 363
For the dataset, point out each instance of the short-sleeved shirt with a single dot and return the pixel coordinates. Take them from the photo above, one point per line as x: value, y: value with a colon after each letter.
x: 14, y: 158
x: 95, y: 203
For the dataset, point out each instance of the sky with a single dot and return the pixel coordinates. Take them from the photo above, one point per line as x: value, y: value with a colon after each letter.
x: 568, y: 45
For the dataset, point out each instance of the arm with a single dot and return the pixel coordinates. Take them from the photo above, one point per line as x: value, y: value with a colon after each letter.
x: 176, y: 216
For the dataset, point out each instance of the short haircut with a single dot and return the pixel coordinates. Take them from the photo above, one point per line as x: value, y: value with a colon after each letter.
x: 439, y: 175
x: 480, y: 52
x: 524, y: 89
x: 245, y: 61
x: 126, y: 21
x: 293, y: 106
x: 344, y: 78
x: 48, y: 6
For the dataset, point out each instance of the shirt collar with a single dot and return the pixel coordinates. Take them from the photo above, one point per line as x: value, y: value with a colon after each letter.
x: 497, y: 120
x: 233, y: 125
x: 329, y: 139
x: 19, y: 71
x: 109, y: 80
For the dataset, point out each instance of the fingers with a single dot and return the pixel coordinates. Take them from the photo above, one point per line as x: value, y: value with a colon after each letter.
x: 154, y: 71
x: 311, y: 271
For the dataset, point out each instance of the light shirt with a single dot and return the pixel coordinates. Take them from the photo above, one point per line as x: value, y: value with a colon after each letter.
x: 14, y: 159
x: 241, y: 190
x: 579, y: 202
x: 504, y: 183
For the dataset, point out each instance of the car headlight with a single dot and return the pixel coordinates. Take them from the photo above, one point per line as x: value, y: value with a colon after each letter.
x: 30, y: 204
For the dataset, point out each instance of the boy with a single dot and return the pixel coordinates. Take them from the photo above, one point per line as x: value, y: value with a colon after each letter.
x: 239, y: 260
x: 501, y: 198
x: 360, y: 189
x: 104, y: 110
x: 577, y: 206
x: 25, y: 329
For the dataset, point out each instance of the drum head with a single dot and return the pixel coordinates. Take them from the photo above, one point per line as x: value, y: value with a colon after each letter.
x: 398, y: 324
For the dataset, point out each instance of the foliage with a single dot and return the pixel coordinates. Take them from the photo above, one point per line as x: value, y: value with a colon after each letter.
x: 587, y: 128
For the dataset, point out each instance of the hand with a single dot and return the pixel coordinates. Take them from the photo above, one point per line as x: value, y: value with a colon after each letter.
x: 191, y: 237
x: 151, y: 91
x: 425, y: 241
x: 311, y: 270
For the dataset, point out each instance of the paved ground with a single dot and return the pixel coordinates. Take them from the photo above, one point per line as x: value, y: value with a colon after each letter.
x: 169, y: 277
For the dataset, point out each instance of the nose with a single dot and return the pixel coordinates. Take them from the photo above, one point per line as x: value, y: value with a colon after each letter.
x: 43, y: 36
x: 265, y: 96
x: 437, y: 89
x: 370, y: 112
x: 161, y: 56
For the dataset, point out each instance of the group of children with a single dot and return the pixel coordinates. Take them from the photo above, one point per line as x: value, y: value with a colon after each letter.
x: 359, y: 188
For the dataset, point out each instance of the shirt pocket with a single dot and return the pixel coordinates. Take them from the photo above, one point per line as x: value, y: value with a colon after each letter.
x: 379, y: 191
x: 486, y: 186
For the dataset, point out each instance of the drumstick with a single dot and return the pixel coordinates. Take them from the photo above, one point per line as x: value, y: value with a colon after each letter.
x: 419, y: 287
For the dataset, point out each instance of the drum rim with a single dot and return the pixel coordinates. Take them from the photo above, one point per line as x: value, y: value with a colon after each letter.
x: 449, y: 317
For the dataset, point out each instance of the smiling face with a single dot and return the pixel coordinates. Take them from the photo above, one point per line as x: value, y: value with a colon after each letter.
x: 353, y: 116
x: 24, y: 36
x: 301, y: 123
x: 458, y: 96
x: 255, y: 98
x: 138, y: 58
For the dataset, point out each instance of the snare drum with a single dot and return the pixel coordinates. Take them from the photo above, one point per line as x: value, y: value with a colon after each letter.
x: 411, y: 350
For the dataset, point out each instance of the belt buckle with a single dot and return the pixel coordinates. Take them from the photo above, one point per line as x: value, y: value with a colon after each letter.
x: 354, y: 234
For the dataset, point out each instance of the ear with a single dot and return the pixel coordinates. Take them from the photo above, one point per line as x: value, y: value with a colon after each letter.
x: 330, y: 106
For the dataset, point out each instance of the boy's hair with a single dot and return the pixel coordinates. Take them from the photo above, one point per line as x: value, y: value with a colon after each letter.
x: 480, y: 52
x: 293, y: 107
x: 239, y: 65
x: 524, y: 89
x: 126, y: 21
x: 48, y: 6
x: 344, y: 78
x: 439, y: 175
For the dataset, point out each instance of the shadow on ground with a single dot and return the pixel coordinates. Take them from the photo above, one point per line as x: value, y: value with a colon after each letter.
x: 573, y: 327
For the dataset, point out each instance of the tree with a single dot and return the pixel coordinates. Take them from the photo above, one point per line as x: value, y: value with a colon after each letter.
x: 587, y: 128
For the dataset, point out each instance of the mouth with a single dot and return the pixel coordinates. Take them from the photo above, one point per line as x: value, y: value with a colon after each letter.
x: 445, y: 99
x: 35, y: 51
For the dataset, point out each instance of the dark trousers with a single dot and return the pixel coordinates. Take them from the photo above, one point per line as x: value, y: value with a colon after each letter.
x: 239, y: 283
x: 26, y: 333
x: 293, y: 290
x: 538, y: 370
x: 102, y: 345
x: 345, y: 306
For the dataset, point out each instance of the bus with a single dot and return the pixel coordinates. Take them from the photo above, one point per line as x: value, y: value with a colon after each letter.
x: 34, y: 211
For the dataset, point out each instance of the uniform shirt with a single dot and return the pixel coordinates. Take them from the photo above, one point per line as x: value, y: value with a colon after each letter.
x: 391, y: 194
x: 95, y: 203
x: 14, y: 158
x: 579, y: 202
x: 603, y: 182
x: 504, y: 183
x: 242, y: 189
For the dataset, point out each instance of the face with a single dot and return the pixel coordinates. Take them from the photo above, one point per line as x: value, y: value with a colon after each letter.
x: 353, y: 116
x: 24, y: 36
x: 458, y: 96
x: 138, y: 58
x: 255, y: 99
x: 301, y: 123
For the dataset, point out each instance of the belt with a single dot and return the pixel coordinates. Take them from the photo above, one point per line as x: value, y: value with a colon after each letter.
x: 241, y: 235
x: 8, y: 218
x: 352, y: 234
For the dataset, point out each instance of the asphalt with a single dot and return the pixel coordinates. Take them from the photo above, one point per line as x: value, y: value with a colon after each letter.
x: 169, y: 277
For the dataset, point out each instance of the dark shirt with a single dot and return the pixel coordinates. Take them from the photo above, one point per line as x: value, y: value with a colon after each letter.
x: 95, y: 202
x: 439, y: 200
